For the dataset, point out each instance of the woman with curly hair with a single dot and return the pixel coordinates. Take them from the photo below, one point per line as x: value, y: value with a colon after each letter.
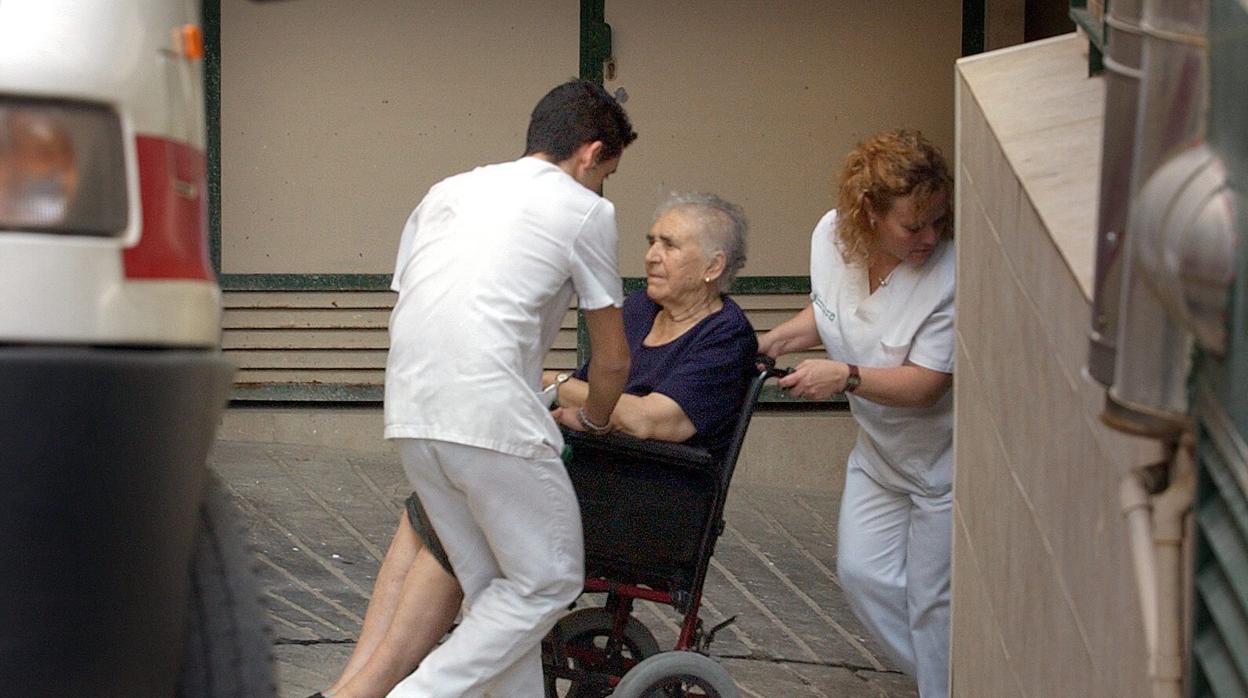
x: 882, y: 284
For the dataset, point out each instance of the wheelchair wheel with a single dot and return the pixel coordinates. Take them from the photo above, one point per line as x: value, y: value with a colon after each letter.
x: 584, y: 635
x: 677, y: 674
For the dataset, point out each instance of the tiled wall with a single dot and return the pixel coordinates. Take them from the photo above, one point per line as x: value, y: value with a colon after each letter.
x: 1044, y: 598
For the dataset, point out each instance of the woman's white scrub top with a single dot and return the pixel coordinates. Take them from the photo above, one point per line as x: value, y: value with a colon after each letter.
x: 908, y: 319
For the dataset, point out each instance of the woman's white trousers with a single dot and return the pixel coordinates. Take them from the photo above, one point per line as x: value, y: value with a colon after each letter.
x: 893, y: 559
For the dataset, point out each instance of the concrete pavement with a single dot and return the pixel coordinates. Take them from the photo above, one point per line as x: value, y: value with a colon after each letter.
x: 321, y: 518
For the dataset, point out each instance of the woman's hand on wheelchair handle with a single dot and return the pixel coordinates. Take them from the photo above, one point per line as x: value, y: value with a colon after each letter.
x: 816, y: 379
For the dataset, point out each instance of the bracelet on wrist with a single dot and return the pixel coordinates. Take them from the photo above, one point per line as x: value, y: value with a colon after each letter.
x: 590, y: 427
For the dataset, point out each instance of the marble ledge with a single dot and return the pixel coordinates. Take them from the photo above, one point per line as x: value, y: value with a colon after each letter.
x: 1047, y: 114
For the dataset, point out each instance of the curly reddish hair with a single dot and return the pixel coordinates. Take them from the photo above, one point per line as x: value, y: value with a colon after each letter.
x: 883, y: 168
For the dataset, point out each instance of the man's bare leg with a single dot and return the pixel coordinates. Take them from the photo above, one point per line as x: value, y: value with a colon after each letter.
x: 385, y: 599
x: 428, y: 605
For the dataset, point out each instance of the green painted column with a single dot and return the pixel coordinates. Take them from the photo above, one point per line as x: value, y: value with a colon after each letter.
x: 974, y: 26
x: 595, y: 39
x: 212, y: 107
x: 595, y: 42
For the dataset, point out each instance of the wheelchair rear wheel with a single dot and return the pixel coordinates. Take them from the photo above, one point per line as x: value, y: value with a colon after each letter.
x: 679, y: 674
x: 585, y: 645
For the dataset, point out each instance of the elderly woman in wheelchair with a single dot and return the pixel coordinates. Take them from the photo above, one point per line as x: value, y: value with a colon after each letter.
x: 693, y: 356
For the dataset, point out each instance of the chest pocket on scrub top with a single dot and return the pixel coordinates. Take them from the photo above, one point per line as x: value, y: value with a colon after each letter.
x: 892, y: 355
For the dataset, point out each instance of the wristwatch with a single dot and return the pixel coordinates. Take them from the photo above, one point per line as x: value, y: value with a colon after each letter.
x: 854, y: 380
x: 560, y: 379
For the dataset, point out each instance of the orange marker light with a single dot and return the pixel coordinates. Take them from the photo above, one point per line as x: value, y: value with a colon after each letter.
x: 192, y: 41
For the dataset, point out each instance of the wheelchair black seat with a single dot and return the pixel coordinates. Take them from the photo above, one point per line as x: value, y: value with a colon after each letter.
x: 644, y: 505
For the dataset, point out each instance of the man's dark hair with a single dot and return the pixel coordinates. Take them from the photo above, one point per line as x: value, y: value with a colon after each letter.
x: 574, y: 113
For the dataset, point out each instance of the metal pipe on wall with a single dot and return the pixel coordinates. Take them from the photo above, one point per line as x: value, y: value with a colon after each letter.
x: 1149, y: 390
x: 1122, y: 80
x: 1170, y: 508
x: 1176, y: 272
x: 1137, y: 510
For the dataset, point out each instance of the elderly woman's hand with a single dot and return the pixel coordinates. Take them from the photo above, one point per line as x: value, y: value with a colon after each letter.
x: 816, y: 379
x: 566, y: 416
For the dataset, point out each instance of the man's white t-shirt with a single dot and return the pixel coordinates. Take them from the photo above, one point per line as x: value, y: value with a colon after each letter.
x: 486, y: 269
x: 910, y: 318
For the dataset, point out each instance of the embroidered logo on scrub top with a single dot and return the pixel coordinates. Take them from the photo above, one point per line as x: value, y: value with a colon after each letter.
x: 823, y: 307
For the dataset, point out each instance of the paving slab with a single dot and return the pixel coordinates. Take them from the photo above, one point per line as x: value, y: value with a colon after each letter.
x: 321, y: 518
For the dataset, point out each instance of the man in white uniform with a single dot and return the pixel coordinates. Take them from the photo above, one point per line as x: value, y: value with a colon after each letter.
x: 486, y: 269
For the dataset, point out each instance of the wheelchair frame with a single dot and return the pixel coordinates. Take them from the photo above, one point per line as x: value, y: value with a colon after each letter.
x: 651, y: 512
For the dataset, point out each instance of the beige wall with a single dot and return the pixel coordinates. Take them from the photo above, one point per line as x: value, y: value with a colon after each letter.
x: 336, y: 117
x: 760, y: 102
x: 1044, y: 599
x: 1004, y: 23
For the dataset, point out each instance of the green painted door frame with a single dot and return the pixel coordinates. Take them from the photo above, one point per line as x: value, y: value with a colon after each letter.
x: 595, y: 49
x: 974, y: 26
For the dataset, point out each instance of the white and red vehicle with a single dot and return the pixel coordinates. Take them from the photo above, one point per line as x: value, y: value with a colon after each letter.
x: 120, y: 573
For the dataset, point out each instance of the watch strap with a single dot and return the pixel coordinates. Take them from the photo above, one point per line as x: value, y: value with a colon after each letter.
x: 854, y: 379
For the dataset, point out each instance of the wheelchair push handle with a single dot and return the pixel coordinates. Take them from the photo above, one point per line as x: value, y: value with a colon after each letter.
x: 768, y: 364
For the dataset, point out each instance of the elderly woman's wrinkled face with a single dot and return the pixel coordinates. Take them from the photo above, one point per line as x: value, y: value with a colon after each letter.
x: 676, y: 265
x: 908, y: 234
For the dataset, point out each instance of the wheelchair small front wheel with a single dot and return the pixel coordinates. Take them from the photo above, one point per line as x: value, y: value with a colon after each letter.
x: 679, y: 673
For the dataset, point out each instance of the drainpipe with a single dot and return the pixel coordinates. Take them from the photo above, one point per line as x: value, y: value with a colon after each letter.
x: 1122, y: 90
x: 1184, y: 235
x: 1149, y: 391
x: 1156, y: 501
x: 1138, y: 512
x: 1176, y: 272
x: 1170, y: 509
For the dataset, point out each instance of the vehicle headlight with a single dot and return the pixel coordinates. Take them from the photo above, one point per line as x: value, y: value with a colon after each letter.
x: 62, y: 168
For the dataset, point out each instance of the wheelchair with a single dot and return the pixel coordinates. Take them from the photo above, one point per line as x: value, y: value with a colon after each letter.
x: 651, y: 514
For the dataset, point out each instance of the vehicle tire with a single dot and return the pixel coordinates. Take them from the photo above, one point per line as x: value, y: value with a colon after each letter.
x: 679, y: 673
x: 588, y: 629
x: 228, y: 650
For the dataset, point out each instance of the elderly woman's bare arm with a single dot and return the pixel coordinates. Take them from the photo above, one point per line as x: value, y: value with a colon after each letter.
x: 654, y: 416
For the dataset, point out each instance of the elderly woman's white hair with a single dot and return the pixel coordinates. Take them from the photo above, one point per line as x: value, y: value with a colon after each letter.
x: 721, y: 225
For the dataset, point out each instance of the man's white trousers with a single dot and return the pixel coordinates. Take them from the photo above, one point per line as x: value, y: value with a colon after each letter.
x: 512, y: 530
x: 893, y: 559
